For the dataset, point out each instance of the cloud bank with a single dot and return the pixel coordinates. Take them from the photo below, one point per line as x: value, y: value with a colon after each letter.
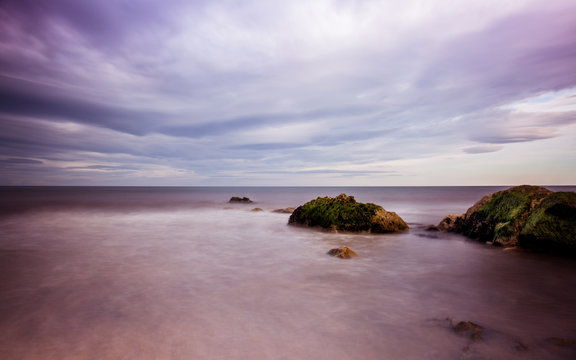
x: 276, y: 93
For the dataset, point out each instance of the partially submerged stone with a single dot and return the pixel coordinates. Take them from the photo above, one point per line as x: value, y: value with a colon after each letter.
x: 344, y: 213
x: 284, y: 211
x: 448, y: 223
x: 563, y: 342
x: 469, y: 329
x: 237, y: 199
x: 256, y: 210
x: 527, y: 216
x: 343, y: 252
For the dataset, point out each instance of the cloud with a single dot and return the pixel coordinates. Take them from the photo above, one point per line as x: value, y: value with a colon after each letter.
x: 481, y: 149
x: 20, y: 161
x: 102, y: 167
x: 505, y: 126
x: 216, y: 89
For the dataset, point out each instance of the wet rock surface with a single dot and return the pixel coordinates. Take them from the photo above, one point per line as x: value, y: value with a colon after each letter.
x: 343, y: 252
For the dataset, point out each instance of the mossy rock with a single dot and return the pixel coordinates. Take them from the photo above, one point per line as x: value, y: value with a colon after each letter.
x: 526, y: 216
x: 507, y: 211
x: 344, y: 213
x: 498, y: 217
x: 552, y: 224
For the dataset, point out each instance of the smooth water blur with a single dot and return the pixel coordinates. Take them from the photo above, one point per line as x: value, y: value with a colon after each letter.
x: 178, y: 273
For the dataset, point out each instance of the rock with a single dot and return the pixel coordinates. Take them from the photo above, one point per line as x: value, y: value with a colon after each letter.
x: 469, y: 329
x: 343, y: 252
x: 284, y: 211
x: 529, y: 216
x: 474, y: 333
x: 256, y: 210
x: 244, y: 200
x: 449, y: 223
x: 344, y: 213
x: 551, y: 226
x: 519, y: 346
x: 563, y: 342
x: 431, y: 228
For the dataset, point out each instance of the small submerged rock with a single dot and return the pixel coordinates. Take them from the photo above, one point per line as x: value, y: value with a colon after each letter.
x: 284, y: 211
x: 478, y: 337
x: 256, y: 210
x: 343, y: 252
x: 469, y: 329
x: 344, y: 213
x: 562, y: 342
x: 237, y: 199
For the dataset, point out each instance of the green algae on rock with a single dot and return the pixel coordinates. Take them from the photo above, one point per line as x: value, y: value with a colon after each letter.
x: 529, y: 216
x: 552, y: 224
x: 344, y: 213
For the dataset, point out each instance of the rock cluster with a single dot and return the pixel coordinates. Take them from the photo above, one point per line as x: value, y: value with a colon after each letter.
x: 344, y: 213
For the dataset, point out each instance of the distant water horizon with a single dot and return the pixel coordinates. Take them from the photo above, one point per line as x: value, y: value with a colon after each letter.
x: 181, y: 273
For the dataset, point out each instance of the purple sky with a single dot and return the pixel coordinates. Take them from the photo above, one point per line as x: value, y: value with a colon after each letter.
x: 172, y: 92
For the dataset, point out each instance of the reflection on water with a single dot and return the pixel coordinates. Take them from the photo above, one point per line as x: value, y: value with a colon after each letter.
x: 200, y: 281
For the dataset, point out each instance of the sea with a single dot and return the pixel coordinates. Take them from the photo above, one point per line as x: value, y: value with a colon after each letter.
x: 181, y: 273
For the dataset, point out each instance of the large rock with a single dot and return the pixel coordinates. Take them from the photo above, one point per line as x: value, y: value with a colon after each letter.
x: 529, y: 216
x: 344, y: 213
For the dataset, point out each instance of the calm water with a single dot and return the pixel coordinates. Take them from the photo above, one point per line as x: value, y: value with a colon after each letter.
x: 178, y: 273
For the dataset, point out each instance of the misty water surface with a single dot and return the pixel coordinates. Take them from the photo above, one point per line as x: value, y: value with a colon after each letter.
x: 177, y: 273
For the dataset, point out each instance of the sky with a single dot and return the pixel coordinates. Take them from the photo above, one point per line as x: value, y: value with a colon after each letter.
x: 287, y: 93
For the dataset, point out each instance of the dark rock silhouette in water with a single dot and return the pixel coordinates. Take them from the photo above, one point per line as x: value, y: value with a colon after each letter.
x: 343, y: 252
x: 469, y: 329
x: 562, y: 342
x: 527, y: 216
x: 477, y: 338
x: 344, y: 213
x: 237, y: 199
